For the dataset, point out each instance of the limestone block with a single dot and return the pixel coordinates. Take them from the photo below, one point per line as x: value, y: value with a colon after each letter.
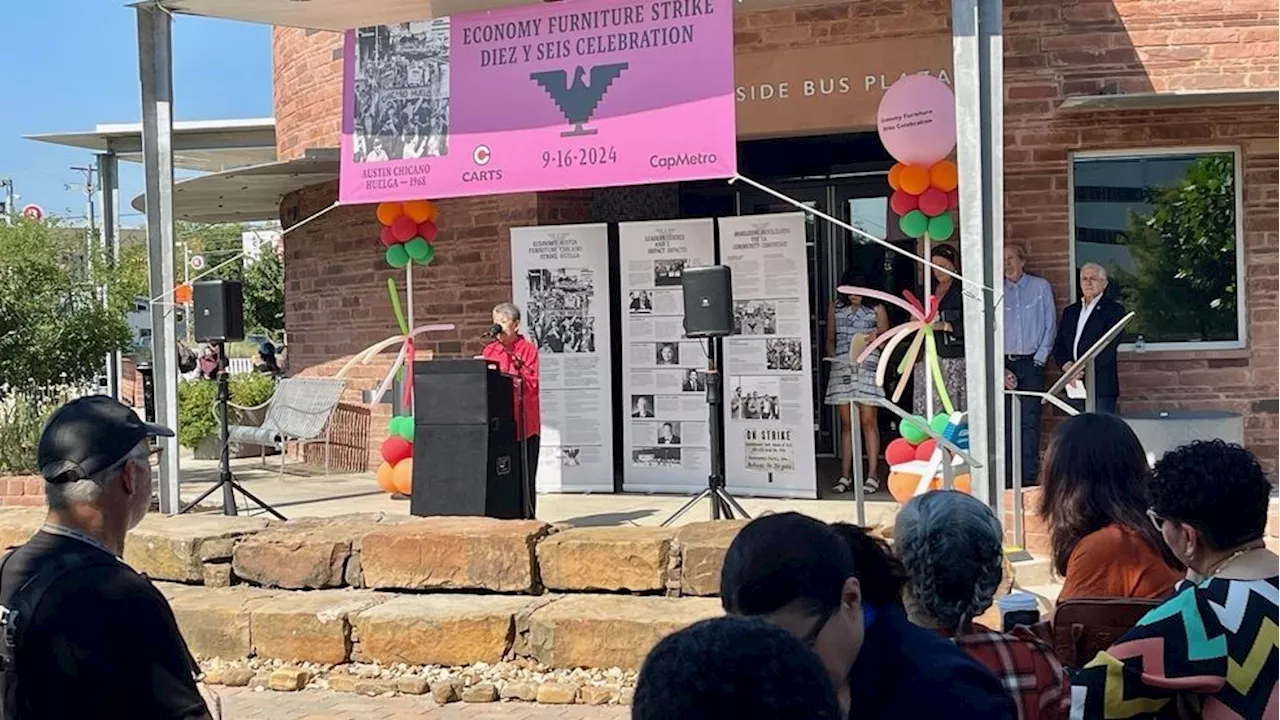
x: 308, y: 627
x: 614, y: 558
x: 173, y: 548
x: 702, y: 548
x: 601, y: 631
x: 303, y: 554
x: 439, y: 629
x: 453, y: 553
x: 215, y: 621
x: 18, y: 524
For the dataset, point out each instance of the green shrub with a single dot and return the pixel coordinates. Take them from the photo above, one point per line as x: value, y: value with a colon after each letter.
x: 196, y: 398
x: 22, y: 417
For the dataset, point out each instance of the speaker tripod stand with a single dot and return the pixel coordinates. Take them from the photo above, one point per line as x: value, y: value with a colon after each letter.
x: 723, y: 505
x: 227, y: 481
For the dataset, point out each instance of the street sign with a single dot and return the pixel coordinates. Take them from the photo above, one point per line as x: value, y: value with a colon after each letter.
x: 33, y: 212
x: 197, y: 262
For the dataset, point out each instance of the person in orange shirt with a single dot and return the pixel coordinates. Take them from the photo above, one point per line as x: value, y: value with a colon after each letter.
x: 1094, y: 498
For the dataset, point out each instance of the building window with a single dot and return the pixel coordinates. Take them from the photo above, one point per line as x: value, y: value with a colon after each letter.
x: 1166, y: 226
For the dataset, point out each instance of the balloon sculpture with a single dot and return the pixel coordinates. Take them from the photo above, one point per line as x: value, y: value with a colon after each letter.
x: 920, y: 326
x: 917, y: 125
x: 407, y: 231
x: 913, y: 456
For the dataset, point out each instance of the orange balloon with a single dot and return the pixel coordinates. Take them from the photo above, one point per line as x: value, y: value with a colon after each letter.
x: 895, y: 176
x: 944, y: 176
x: 402, y: 476
x: 388, y: 212
x: 385, y: 477
x: 902, y: 485
x: 419, y: 211
x: 182, y: 294
x: 914, y: 179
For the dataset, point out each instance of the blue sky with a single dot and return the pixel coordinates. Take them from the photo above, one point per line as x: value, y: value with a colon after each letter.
x: 72, y: 64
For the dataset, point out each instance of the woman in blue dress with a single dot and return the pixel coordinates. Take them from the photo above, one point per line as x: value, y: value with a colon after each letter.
x: 850, y: 318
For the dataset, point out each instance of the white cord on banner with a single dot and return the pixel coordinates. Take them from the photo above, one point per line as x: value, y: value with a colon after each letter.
x: 857, y: 231
x: 241, y: 254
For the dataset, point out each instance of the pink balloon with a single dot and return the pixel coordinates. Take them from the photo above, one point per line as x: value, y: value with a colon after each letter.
x: 404, y: 229
x: 428, y: 231
x: 933, y: 202
x: 387, y: 237
x: 953, y: 200
x: 917, y: 120
x: 902, y: 203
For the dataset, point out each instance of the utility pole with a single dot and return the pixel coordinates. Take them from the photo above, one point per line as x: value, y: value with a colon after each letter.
x: 9, y: 209
x: 91, y: 238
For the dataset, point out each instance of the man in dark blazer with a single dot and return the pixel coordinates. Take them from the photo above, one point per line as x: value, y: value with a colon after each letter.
x: 1083, y: 323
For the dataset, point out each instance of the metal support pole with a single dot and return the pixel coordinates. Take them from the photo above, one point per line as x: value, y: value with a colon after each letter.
x: 1090, y: 388
x: 855, y: 436
x: 977, y: 46
x: 155, y: 65
x: 109, y: 193
x: 1015, y: 458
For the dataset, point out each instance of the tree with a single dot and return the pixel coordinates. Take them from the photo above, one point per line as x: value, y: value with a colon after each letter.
x: 218, y: 243
x: 1184, y: 250
x: 54, y: 330
x: 264, y: 292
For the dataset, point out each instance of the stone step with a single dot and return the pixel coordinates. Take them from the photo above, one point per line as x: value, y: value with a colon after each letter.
x: 337, y: 626
x: 1034, y: 571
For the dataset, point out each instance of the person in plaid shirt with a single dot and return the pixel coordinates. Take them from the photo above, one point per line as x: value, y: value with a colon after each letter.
x: 952, y: 547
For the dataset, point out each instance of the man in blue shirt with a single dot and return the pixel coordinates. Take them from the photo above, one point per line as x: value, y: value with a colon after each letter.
x: 1028, y: 340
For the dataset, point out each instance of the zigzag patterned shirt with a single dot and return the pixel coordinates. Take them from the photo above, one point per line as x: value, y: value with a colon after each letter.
x: 1209, y: 652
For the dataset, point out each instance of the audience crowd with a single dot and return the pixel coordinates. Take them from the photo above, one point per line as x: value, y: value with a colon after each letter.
x: 825, y: 620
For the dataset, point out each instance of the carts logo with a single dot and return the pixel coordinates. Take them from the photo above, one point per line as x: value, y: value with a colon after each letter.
x: 481, y: 155
x: 578, y: 101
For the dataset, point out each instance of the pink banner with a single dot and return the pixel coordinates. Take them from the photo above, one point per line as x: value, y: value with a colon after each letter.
x: 578, y: 94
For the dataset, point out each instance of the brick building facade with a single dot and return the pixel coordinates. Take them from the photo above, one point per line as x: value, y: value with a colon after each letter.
x: 336, y: 299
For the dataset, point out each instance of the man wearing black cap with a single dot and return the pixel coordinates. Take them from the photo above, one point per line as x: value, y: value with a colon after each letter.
x: 84, y: 634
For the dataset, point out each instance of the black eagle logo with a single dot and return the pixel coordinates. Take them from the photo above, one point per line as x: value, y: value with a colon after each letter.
x: 578, y: 101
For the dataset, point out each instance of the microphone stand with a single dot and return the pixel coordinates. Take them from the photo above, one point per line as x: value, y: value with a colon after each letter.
x: 521, y: 432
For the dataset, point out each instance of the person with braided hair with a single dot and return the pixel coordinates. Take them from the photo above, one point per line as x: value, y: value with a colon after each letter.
x: 951, y: 545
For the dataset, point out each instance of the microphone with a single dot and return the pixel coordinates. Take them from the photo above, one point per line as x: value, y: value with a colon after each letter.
x: 494, y: 331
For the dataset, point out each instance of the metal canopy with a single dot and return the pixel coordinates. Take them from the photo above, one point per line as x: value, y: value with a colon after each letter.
x: 346, y: 14
x: 247, y: 194
x: 205, y: 145
x: 1170, y: 100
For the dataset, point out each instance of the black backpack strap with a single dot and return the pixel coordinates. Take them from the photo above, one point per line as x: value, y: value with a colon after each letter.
x: 22, y: 604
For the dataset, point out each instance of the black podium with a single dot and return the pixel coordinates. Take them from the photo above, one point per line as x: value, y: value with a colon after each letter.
x: 466, y: 458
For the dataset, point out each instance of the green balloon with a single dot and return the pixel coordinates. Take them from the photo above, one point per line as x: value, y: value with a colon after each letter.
x: 397, y: 256
x: 939, y: 423
x: 941, y: 227
x: 406, y: 428
x: 912, y: 429
x: 417, y: 248
x: 914, y: 224
x: 427, y: 256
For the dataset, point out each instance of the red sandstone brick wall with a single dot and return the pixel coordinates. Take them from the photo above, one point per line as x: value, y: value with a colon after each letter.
x: 336, y: 300
x: 1055, y: 50
x: 21, y: 490
x: 307, y: 78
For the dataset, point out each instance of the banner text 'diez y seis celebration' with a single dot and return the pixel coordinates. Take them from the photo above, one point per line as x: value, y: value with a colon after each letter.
x: 591, y: 93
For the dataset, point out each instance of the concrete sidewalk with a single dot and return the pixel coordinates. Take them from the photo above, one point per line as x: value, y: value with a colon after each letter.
x: 318, y: 705
x: 314, y: 495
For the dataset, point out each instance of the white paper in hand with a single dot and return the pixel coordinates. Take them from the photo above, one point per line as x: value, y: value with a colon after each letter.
x: 1076, y: 391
